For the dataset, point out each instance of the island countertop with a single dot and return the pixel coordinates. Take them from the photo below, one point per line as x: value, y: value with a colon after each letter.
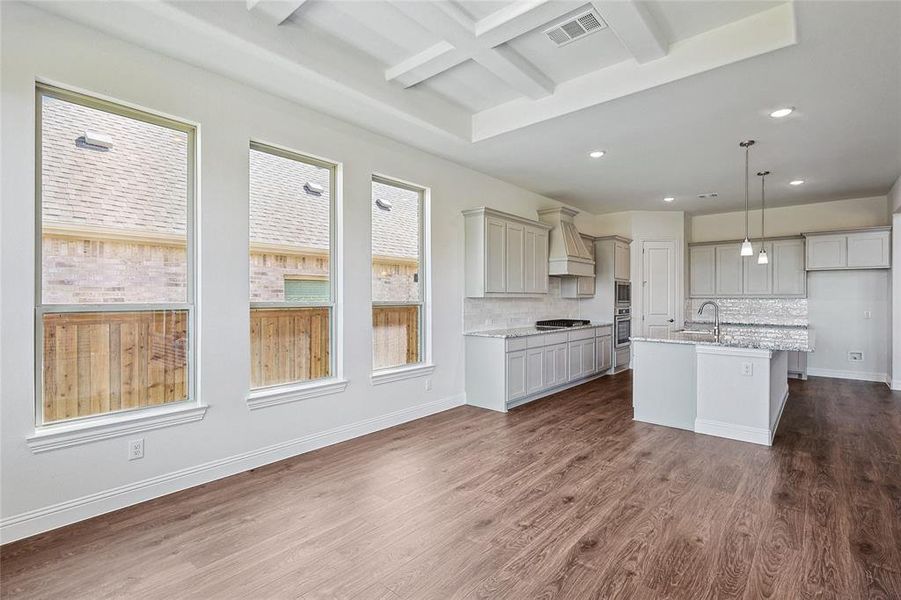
x: 512, y: 332
x: 789, y: 338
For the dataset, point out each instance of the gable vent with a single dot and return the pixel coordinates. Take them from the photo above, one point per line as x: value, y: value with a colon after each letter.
x: 575, y: 28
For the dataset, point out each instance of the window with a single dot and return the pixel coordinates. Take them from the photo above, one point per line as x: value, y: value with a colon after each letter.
x: 115, y: 290
x: 291, y: 282
x: 397, y: 274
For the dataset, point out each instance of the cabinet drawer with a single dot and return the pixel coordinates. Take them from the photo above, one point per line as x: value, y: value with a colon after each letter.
x: 603, y: 330
x: 581, y: 334
x: 536, y: 341
x: 514, y: 344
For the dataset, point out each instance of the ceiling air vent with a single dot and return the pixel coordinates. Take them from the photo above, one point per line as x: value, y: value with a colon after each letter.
x: 707, y: 195
x: 575, y: 28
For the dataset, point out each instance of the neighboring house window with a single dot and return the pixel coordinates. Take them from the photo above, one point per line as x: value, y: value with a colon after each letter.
x: 397, y: 274
x: 115, y: 307
x: 291, y: 282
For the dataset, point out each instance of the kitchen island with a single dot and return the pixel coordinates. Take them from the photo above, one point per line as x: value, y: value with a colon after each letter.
x: 733, y: 387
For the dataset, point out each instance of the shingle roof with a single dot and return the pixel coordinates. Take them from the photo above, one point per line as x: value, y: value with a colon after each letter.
x: 140, y: 186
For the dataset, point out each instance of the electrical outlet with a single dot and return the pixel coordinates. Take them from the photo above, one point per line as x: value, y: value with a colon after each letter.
x: 855, y: 356
x: 867, y: 314
x: 428, y: 384
x: 136, y: 449
x: 747, y: 369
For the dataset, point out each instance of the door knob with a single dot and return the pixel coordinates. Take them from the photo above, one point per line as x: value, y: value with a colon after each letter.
x: 672, y: 320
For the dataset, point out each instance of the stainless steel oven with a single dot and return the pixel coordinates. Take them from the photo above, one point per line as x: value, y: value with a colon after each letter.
x: 623, y: 292
x: 622, y: 328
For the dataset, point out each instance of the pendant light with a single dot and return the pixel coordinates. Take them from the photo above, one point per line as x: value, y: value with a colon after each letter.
x: 762, y: 258
x: 746, y: 248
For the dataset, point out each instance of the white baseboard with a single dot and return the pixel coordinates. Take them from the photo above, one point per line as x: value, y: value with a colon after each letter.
x: 742, y: 433
x: 71, y: 511
x: 855, y: 375
x: 895, y: 384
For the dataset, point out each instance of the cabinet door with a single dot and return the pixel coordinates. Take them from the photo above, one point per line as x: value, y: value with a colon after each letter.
x: 789, y: 277
x: 536, y: 278
x: 515, y: 253
x: 554, y: 365
x: 702, y: 264
x: 585, y: 286
x: 541, y: 258
x: 575, y: 360
x: 604, y: 352
x: 495, y: 255
x: 535, y: 370
x: 869, y: 250
x: 621, y: 268
x: 827, y: 252
x: 589, y: 364
x: 729, y: 278
x: 516, y: 375
x: 758, y: 279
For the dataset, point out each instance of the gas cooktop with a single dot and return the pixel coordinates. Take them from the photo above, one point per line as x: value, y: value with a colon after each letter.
x: 561, y: 323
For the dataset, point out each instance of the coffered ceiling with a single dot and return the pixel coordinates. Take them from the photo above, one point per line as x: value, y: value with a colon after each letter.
x: 666, y: 87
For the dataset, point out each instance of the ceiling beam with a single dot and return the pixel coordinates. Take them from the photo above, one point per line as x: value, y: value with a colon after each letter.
x: 461, y: 43
x: 635, y: 28
x: 274, y: 11
x: 518, y: 19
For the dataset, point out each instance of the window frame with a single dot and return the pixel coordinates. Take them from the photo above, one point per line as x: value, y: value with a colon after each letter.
x: 260, y: 393
x: 424, y: 365
x: 192, y: 402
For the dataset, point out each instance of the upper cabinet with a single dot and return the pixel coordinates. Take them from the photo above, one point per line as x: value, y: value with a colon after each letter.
x: 621, y: 262
x: 729, y: 272
x: 506, y: 255
x: 719, y: 270
x: 855, y: 249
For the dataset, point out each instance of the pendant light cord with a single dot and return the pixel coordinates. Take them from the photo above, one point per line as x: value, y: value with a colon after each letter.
x: 747, y: 184
x: 762, y: 203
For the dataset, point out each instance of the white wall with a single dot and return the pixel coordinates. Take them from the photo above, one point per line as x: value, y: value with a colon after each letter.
x: 791, y: 220
x: 894, y: 207
x: 56, y: 487
x: 836, y: 300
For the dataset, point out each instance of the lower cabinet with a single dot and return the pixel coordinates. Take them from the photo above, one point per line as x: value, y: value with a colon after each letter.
x: 604, y: 352
x: 505, y: 372
x: 516, y: 375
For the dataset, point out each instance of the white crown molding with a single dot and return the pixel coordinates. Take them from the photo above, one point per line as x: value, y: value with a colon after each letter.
x: 78, y: 509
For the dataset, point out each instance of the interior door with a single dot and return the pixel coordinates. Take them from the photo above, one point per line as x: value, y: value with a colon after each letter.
x: 658, y: 305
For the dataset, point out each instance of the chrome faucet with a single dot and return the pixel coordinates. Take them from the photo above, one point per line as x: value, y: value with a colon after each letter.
x: 716, y: 317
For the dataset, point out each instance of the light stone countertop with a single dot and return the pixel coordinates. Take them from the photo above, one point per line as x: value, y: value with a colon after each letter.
x: 514, y: 332
x: 790, y: 338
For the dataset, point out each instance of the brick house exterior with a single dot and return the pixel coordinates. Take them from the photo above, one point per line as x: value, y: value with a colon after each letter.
x: 115, y: 221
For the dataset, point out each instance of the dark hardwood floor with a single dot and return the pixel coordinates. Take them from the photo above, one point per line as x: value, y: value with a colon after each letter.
x: 566, y: 497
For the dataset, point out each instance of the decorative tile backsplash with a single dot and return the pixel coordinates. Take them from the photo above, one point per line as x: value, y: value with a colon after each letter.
x: 751, y: 311
x: 496, y: 313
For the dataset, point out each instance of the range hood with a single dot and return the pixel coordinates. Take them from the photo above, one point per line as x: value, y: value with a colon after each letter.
x: 567, y: 255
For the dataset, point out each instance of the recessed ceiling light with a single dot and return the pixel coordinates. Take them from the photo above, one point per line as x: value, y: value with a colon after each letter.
x: 597, y: 153
x: 782, y: 112
x: 668, y: 199
x: 796, y: 182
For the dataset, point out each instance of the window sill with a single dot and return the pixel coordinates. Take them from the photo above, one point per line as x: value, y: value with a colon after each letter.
x: 285, y: 394
x: 66, y: 435
x: 400, y: 373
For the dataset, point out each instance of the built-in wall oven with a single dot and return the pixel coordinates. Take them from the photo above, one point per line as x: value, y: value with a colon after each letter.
x: 623, y: 292
x: 622, y: 327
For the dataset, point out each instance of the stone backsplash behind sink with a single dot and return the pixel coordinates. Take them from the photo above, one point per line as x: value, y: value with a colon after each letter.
x: 751, y: 311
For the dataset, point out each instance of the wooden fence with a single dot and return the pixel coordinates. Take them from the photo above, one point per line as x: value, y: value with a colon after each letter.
x: 395, y: 336
x: 102, y: 362
x: 288, y: 345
